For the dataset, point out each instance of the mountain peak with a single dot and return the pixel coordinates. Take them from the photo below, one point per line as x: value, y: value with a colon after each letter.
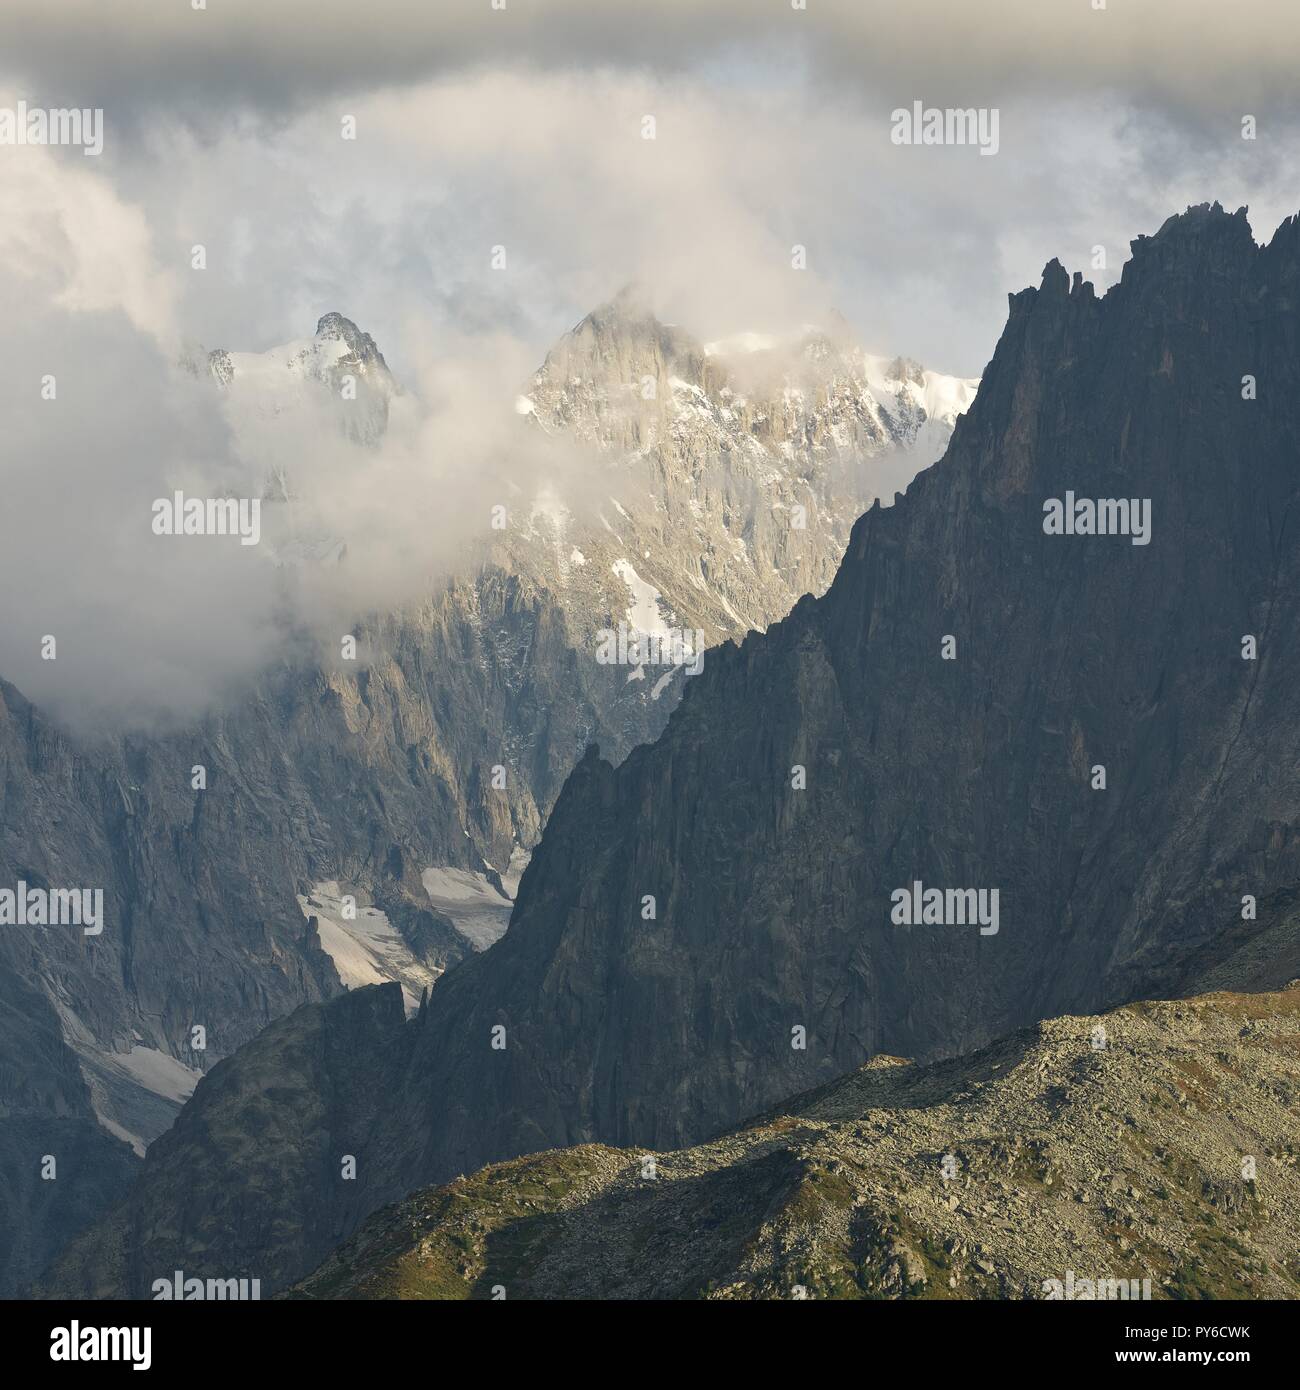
x: 335, y: 327
x: 622, y: 341
x: 1201, y: 215
x: 905, y: 369
x: 1203, y: 229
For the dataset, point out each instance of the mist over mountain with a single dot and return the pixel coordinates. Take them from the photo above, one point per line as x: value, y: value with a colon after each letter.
x: 338, y: 820
x: 1069, y: 736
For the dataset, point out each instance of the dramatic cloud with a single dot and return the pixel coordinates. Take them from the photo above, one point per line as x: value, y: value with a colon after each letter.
x: 111, y: 625
x: 1202, y: 55
x: 917, y: 245
x: 525, y: 130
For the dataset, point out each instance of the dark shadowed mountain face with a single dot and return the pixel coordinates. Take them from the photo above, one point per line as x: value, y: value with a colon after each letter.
x: 1073, y: 722
x: 1073, y: 657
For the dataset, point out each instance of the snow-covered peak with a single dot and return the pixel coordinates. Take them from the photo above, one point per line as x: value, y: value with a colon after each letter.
x: 358, y: 346
x: 739, y: 466
x: 833, y: 352
x: 623, y: 380
x: 287, y: 407
x: 618, y: 349
x: 941, y: 396
x: 336, y: 381
x: 338, y: 348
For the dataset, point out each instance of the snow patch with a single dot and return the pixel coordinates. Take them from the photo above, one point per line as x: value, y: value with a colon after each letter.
x: 644, y: 614
x: 158, y: 1072
x: 125, y: 1135
x: 662, y: 683
x: 366, y: 949
x: 471, y: 901
x: 135, y: 1094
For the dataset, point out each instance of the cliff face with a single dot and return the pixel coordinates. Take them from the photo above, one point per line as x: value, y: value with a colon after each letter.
x: 1070, y: 653
x: 1065, y: 720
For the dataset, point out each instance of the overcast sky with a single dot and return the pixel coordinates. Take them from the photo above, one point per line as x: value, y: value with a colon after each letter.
x: 523, y: 127
x: 479, y: 127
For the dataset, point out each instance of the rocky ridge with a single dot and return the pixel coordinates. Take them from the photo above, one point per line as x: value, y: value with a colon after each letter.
x: 1147, y: 1153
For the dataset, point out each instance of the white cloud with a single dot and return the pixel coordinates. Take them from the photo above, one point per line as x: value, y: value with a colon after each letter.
x: 66, y: 229
x: 755, y: 150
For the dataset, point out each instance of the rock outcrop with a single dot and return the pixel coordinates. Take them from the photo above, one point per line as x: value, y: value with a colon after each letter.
x: 1146, y: 1153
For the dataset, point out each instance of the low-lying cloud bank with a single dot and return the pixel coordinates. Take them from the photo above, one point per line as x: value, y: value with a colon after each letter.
x: 112, y: 621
